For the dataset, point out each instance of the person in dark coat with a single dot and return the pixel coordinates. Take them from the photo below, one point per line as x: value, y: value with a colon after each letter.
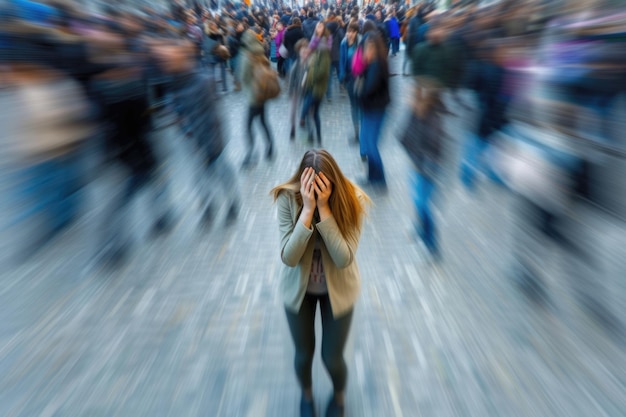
x: 293, y: 34
x: 431, y: 59
x: 393, y: 29
x: 308, y: 25
x: 202, y: 122
x: 337, y: 32
x: 373, y: 96
x: 423, y: 142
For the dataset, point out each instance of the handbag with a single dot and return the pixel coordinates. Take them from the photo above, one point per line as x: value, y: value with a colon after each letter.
x: 283, y: 52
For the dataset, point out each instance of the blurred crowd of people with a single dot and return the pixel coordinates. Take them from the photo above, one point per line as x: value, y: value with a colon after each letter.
x: 544, y: 78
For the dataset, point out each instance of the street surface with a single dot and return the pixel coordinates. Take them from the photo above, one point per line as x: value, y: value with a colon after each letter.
x: 193, y: 325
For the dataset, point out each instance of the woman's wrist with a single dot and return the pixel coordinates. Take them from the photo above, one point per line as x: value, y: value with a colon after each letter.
x: 324, y: 211
x: 306, y: 217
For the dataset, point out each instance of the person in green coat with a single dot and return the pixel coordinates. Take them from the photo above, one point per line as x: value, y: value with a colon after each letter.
x: 316, y: 80
x: 433, y: 59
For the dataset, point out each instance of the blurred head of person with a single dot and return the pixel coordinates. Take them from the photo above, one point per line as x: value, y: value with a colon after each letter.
x: 302, y: 48
x: 352, y: 33
x: 321, y: 30
x: 436, y: 33
x: 374, y: 48
x: 368, y: 26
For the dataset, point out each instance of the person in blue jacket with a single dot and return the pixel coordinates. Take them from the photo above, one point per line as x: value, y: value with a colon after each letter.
x: 393, y: 29
x: 346, y: 51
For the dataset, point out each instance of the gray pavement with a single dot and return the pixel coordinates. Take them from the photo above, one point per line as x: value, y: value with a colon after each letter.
x: 193, y: 325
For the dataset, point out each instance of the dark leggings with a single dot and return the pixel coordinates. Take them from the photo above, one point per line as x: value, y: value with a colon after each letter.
x: 334, y: 336
x: 253, y: 112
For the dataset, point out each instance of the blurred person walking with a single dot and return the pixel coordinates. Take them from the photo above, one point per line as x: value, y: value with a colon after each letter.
x: 316, y: 82
x: 372, y: 91
x: 296, y: 77
x: 44, y: 130
x: 335, y: 27
x: 320, y: 215
x: 348, y: 47
x: 393, y: 29
x: 423, y: 141
x: 215, y: 53
x: 293, y: 34
x: 201, y: 120
x: 234, y: 47
x: 254, y: 56
x: 123, y: 97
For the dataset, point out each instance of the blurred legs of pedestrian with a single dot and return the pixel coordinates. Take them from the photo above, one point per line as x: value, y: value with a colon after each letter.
x: 311, y: 114
x: 296, y: 102
x: 117, y: 216
x: 355, y: 114
x: 234, y: 66
x: 334, y: 69
x: 222, y: 65
x: 424, y: 193
x: 476, y: 155
x: 406, y: 62
x: 255, y: 111
x: 49, y: 195
x: 280, y: 67
x: 371, y: 128
x: 222, y: 68
x: 219, y: 173
x: 395, y: 46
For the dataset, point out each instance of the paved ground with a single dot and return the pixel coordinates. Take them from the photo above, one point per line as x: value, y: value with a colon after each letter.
x: 193, y: 326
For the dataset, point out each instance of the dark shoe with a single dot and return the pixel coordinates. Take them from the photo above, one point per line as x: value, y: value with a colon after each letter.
x: 292, y: 134
x: 307, y: 408
x: 334, y: 409
x: 232, y: 214
x: 364, y: 158
x: 270, y: 152
x: 163, y: 225
x: 247, y: 161
x: 208, y: 216
x: 114, y: 257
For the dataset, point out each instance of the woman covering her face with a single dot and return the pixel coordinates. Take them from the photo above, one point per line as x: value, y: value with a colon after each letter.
x: 320, y: 214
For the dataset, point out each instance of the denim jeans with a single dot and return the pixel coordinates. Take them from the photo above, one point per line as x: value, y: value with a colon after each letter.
x: 424, y: 193
x: 334, y: 68
x: 371, y: 128
x: 475, y: 160
x: 311, y: 110
x: 116, y: 218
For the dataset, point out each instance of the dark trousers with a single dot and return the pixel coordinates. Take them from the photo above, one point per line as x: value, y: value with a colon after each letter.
x: 395, y: 45
x: 334, y: 336
x: 311, y: 107
x: 253, y: 112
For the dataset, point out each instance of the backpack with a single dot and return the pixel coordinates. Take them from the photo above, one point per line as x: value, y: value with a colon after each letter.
x: 265, y: 84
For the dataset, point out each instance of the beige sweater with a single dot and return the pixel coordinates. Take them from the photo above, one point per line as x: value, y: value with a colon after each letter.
x: 296, y: 252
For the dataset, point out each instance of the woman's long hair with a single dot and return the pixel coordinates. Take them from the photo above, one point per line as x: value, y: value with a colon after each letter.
x: 344, y: 199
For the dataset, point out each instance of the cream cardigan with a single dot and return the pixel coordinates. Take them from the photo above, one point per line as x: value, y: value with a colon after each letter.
x: 296, y: 252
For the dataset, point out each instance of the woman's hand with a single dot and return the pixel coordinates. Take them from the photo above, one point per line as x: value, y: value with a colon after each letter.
x: 307, y: 190
x: 323, y: 188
